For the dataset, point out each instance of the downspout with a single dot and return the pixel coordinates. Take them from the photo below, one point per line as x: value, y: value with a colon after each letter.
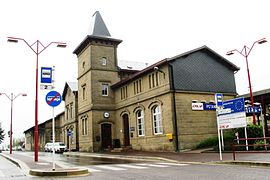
x: 175, y: 126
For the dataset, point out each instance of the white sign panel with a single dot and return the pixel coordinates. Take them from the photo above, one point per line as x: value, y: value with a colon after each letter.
x: 197, y: 106
x: 232, y: 120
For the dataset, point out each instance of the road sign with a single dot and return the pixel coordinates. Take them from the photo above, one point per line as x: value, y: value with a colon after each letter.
x: 46, y: 87
x: 69, y: 133
x: 233, y: 114
x: 46, y: 75
x: 53, y: 98
x: 219, y: 99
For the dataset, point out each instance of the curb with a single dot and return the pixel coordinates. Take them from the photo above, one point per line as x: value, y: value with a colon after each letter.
x: 18, y: 163
x: 60, y: 172
x: 247, y: 163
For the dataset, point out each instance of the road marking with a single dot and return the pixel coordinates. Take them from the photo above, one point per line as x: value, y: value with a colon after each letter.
x: 153, y: 165
x: 173, y: 164
x: 110, y: 168
x: 2, y: 174
x: 131, y: 166
x: 93, y: 170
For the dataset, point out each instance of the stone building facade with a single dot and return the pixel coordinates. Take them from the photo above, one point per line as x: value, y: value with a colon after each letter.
x: 148, y: 109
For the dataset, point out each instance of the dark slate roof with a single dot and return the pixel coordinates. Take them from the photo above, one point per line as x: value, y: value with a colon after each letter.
x: 166, y: 60
x: 98, y: 31
x: 218, y: 57
x: 98, y: 27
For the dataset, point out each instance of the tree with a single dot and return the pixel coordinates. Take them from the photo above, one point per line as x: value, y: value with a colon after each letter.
x: 2, y: 135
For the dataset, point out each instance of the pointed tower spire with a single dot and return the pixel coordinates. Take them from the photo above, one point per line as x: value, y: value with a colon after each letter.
x: 98, y: 27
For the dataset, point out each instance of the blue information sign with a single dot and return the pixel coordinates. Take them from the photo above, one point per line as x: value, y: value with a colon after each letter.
x: 236, y: 105
x: 69, y: 133
x: 46, y: 75
x: 53, y: 98
x: 219, y: 99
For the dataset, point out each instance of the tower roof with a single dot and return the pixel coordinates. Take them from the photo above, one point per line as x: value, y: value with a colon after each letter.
x: 97, y: 26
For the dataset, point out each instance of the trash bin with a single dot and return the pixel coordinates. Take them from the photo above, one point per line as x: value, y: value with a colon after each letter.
x: 116, y: 143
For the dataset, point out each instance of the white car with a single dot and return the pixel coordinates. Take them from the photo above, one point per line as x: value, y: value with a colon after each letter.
x: 48, y: 147
x: 59, y: 147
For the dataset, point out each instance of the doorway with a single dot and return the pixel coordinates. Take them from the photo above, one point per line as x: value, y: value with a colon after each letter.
x: 106, y: 136
x: 126, y: 130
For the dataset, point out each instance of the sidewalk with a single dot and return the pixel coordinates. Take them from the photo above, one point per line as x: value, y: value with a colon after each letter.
x: 27, y: 163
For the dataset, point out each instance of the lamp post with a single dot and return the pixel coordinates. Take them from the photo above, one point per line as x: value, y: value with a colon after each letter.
x: 245, y: 52
x: 37, y: 51
x: 11, y: 98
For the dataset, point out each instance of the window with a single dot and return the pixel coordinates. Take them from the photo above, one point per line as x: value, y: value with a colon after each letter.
x: 104, y: 61
x: 140, y: 122
x: 105, y: 89
x: 83, y: 92
x: 157, y: 121
x: 67, y: 111
x: 124, y: 94
x: 83, y: 65
x: 71, y: 110
x: 153, y: 80
x: 84, y: 125
x: 137, y: 86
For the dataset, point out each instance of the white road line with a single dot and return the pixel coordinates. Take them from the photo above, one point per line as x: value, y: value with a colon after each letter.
x: 131, y: 166
x: 110, y: 168
x: 2, y: 174
x: 93, y: 170
x: 153, y: 165
x: 173, y: 164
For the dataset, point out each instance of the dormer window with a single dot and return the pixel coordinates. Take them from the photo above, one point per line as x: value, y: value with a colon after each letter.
x: 103, y: 61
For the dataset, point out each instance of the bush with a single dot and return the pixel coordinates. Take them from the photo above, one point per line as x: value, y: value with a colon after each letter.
x: 253, y: 131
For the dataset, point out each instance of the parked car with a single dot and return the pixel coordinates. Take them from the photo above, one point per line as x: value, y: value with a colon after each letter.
x: 59, y: 147
x: 48, y: 147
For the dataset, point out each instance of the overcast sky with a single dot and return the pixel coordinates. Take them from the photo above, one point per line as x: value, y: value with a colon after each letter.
x: 151, y: 31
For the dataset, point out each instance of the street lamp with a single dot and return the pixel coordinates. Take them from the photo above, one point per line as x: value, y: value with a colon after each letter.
x: 37, y: 51
x: 245, y: 52
x: 11, y: 98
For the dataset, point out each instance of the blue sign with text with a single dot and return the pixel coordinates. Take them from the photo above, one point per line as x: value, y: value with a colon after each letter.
x: 46, y: 75
x: 236, y: 105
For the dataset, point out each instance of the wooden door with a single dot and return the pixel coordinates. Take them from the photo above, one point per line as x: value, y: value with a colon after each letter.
x: 106, y: 136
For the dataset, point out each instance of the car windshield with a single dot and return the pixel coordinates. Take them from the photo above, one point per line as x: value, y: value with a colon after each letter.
x: 61, y: 144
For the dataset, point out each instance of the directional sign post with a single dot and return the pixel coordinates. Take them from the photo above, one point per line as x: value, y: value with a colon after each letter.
x: 53, y: 99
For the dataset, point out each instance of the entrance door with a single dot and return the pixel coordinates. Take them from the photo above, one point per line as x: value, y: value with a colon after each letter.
x: 106, y: 136
x: 126, y: 130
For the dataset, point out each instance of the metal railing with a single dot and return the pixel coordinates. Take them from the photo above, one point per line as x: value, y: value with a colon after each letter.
x: 265, y: 144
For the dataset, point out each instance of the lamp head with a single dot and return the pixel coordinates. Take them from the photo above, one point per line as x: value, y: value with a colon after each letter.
x: 261, y: 41
x: 13, y: 40
x: 229, y: 53
x: 62, y: 45
x: 24, y: 94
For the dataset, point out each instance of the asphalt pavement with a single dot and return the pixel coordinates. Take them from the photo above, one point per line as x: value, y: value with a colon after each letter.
x: 44, y: 168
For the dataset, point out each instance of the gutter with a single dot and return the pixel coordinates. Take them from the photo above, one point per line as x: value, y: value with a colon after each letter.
x: 175, y: 126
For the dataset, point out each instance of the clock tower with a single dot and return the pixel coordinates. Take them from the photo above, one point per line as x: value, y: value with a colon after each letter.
x: 97, y: 71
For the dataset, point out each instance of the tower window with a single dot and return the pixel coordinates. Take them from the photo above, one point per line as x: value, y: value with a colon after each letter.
x: 105, y: 89
x: 103, y: 61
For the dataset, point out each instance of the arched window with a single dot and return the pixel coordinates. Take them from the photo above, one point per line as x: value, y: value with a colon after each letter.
x: 140, y: 122
x: 157, y: 120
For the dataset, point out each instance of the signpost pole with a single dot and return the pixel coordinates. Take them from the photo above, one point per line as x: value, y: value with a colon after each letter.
x: 246, y: 138
x: 219, y: 143
x: 53, y: 132
x: 222, y: 141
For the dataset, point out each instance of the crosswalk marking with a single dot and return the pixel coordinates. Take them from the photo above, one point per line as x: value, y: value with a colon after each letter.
x: 173, y: 164
x: 131, y: 166
x: 153, y: 165
x: 110, y: 168
x: 1, y: 174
